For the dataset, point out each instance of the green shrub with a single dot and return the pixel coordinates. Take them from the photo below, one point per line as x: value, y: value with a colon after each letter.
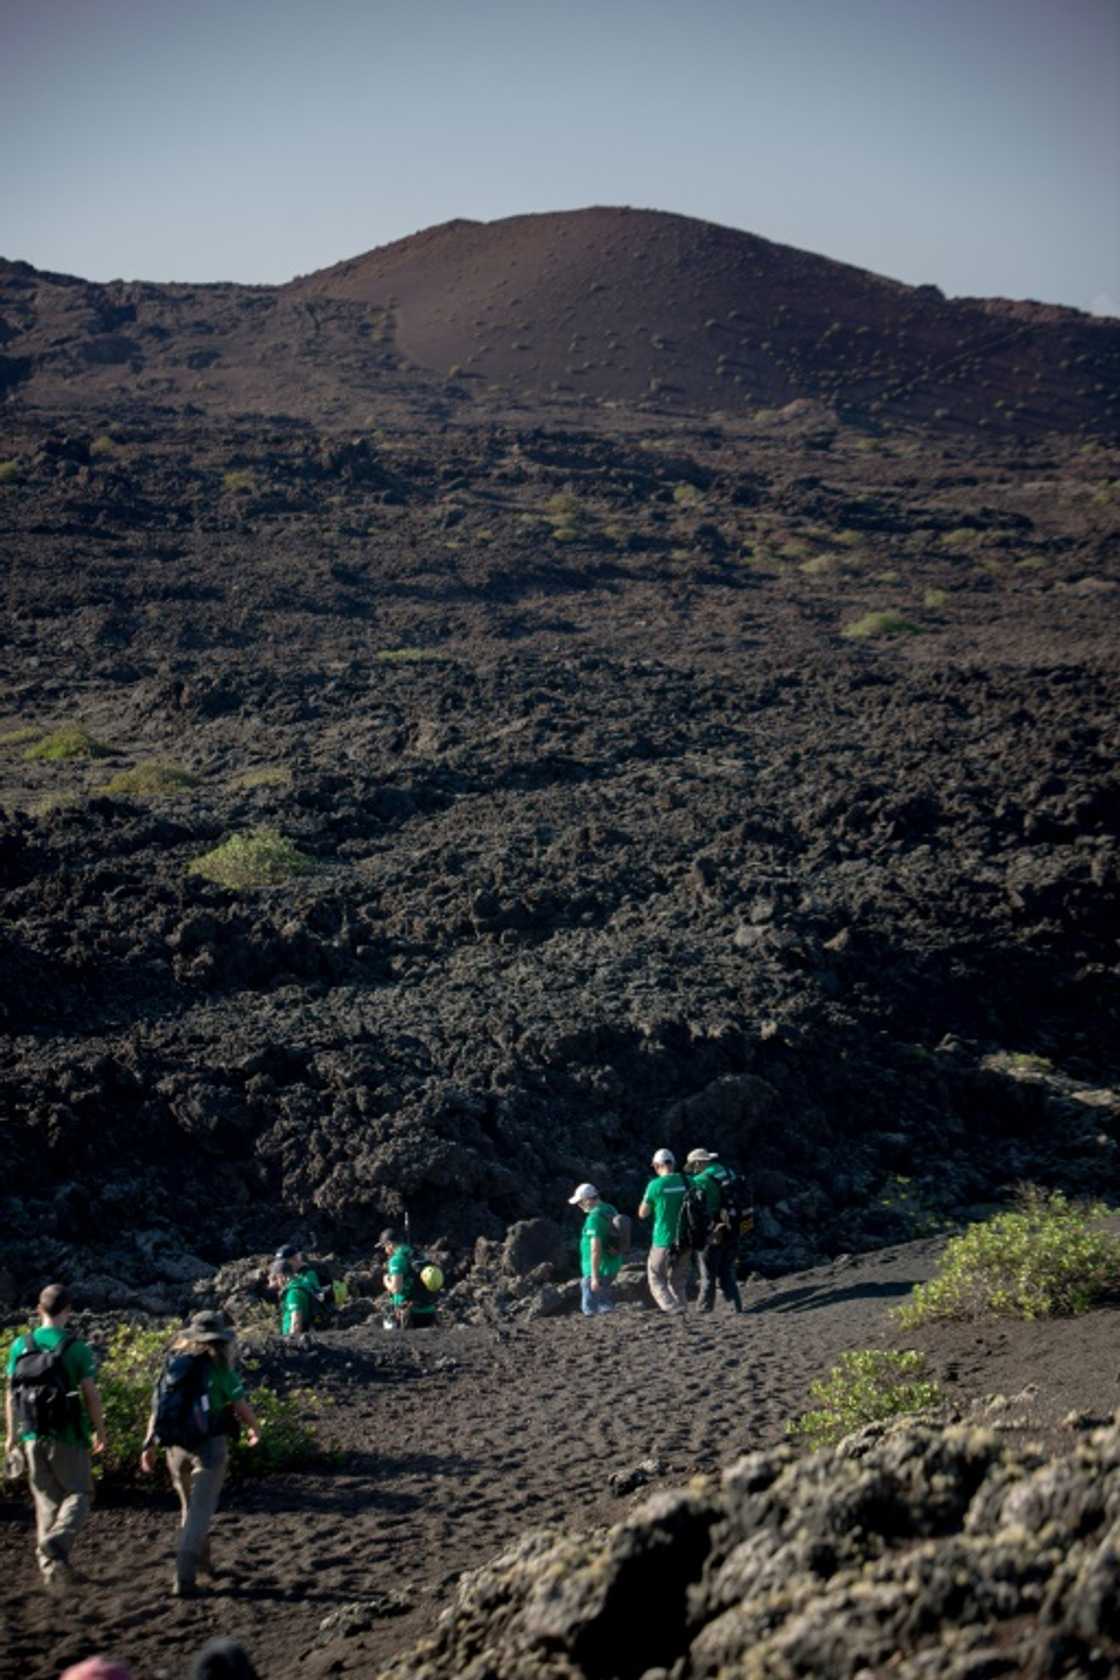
x: 148, y: 779
x: 125, y: 1377
x: 934, y: 598
x: 9, y: 472
x: 687, y: 495
x: 269, y: 775
x: 259, y: 858
x: 1048, y: 1257
x: 880, y: 624
x: 865, y: 1387
x: 408, y: 655
x: 72, y: 740
x: 818, y: 565
x: 102, y: 446
x: 239, y: 483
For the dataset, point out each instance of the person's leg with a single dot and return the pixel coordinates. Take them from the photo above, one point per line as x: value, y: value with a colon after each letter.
x: 586, y: 1297
x: 728, y: 1274
x: 678, y: 1278
x: 209, y: 1471
x: 707, y: 1260
x: 604, y: 1297
x: 70, y: 1466
x: 657, y: 1274
x: 181, y: 1468
x: 47, y: 1496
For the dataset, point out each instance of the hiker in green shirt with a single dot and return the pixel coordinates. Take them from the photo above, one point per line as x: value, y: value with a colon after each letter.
x: 52, y: 1411
x: 296, y: 1302
x: 198, y: 1471
x: 413, y: 1307
x: 667, y: 1268
x: 302, y: 1270
x: 599, y: 1264
x: 718, y: 1258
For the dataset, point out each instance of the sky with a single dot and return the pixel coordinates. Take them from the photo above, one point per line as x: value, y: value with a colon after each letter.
x: 974, y: 144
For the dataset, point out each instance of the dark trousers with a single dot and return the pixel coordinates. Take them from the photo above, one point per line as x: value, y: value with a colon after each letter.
x: 717, y: 1265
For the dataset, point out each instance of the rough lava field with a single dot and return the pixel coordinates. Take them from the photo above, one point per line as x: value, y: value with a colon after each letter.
x: 689, y: 668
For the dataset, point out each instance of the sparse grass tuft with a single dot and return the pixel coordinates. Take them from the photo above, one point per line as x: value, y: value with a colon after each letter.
x: 934, y: 598
x: 880, y: 624
x: 259, y: 858
x: 9, y: 472
x: 868, y: 1386
x: 239, y: 483
x: 818, y: 566
x: 687, y: 495
x: 1049, y: 1257
x: 72, y: 740
x: 18, y: 737
x: 148, y: 779
x: 102, y: 446
x: 269, y: 775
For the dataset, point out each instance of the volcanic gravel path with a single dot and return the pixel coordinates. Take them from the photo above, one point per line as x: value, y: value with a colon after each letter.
x: 450, y: 1445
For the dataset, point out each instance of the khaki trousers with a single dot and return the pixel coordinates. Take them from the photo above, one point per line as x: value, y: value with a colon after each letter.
x: 61, y: 1480
x: 668, y: 1278
x: 198, y: 1479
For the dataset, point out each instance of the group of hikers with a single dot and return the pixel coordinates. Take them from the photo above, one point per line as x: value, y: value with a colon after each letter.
x: 54, y: 1416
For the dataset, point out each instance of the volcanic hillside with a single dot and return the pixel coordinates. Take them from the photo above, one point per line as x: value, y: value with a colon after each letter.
x: 581, y: 307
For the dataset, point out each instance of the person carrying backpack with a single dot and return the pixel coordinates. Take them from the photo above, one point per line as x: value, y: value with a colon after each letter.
x: 52, y: 1404
x: 319, y: 1285
x: 414, y: 1306
x: 718, y: 1258
x: 297, y: 1303
x: 600, y: 1256
x: 667, y: 1268
x: 197, y: 1403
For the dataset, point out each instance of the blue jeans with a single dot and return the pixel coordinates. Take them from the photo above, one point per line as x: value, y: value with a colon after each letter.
x: 592, y: 1301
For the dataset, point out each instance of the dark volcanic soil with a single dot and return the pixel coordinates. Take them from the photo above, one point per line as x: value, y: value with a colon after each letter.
x: 455, y: 1442
x: 686, y: 770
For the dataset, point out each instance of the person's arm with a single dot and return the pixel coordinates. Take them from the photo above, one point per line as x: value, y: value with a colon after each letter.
x: 148, y: 1450
x: 596, y: 1260
x: 647, y: 1206
x: 10, y: 1421
x: 245, y: 1414
x: 93, y: 1406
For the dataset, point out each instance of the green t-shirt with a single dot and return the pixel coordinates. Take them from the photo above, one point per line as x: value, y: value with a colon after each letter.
x: 225, y: 1387
x: 665, y: 1196
x: 598, y: 1224
x: 309, y: 1276
x: 78, y: 1364
x: 295, y: 1299
x: 408, y: 1290
x: 711, y: 1181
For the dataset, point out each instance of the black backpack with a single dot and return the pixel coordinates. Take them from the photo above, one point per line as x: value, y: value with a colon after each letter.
x: 323, y: 1306
x: 182, y: 1402
x: 43, y: 1403
x: 618, y: 1243
x: 736, y: 1208
x: 695, y: 1223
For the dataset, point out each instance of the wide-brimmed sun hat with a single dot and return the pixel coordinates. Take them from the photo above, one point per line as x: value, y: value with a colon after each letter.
x: 209, y: 1327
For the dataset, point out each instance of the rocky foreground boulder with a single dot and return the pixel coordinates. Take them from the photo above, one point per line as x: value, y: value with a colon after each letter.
x: 914, y: 1550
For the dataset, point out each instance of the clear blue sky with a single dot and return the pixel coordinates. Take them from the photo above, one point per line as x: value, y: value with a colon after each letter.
x: 972, y: 143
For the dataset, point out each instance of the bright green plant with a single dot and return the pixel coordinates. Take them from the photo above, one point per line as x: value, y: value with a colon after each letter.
x: 865, y: 1387
x: 259, y: 858
x: 880, y: 624
x: 72, y: 740
x: 1048, y: 1257
x: 148, y: 779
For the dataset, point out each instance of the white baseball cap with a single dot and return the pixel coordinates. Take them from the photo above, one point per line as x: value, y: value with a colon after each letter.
x: 700, y: 1155
x: 664, y: 1158
x: 584, y: 1193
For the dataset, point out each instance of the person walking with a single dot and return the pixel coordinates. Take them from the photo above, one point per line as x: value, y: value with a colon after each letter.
x: 52, y: 1406
x: 599, y: 1264
x: 719, y: 1256
x: 194, y: 1406
x: 667, y: 1268
x: 296, y: 1302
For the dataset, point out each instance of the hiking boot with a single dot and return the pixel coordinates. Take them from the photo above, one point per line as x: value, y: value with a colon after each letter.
x: 183, y: 1589
x: 55, y: 1582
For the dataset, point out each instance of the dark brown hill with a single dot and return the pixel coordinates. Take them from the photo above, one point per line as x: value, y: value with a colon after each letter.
x: 584, y: 307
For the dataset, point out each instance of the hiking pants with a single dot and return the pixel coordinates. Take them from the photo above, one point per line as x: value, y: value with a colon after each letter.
x: 198, y: 1478
x: 717, y: 1265
x: 61, y: 1482
x: 667, y: 1274
x: 592, y: 1301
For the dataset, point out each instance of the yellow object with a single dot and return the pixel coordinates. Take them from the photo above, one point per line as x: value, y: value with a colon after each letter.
x: 432, y: 1278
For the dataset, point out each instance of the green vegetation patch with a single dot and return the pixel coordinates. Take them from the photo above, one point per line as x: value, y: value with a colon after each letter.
x: 408, y: 655
x: 880, y: 624
x: 868, y: 1386
x: 1047, y: 1258
x: 148, y: 779
x: 259, y: 858
x: 269, y: 775
x: 72, y: 740
x: 239, y: 482
x: 18, y: 737
x: 9, y: 472
x: 125, y: 1377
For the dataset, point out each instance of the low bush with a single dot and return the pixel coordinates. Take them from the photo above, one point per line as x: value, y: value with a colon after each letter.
x: 259, y: 858
x: 145, y: 779
x: 880, y: 624
x: 9, y: 472
x: 18, y: 737
x: 239, y: 483
x: 269, y: 775
x: 865, y: 1387
x: 72, y: 740
x: 408, y: 655
x: 126, y: 1375
x: 1045, y: 1258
